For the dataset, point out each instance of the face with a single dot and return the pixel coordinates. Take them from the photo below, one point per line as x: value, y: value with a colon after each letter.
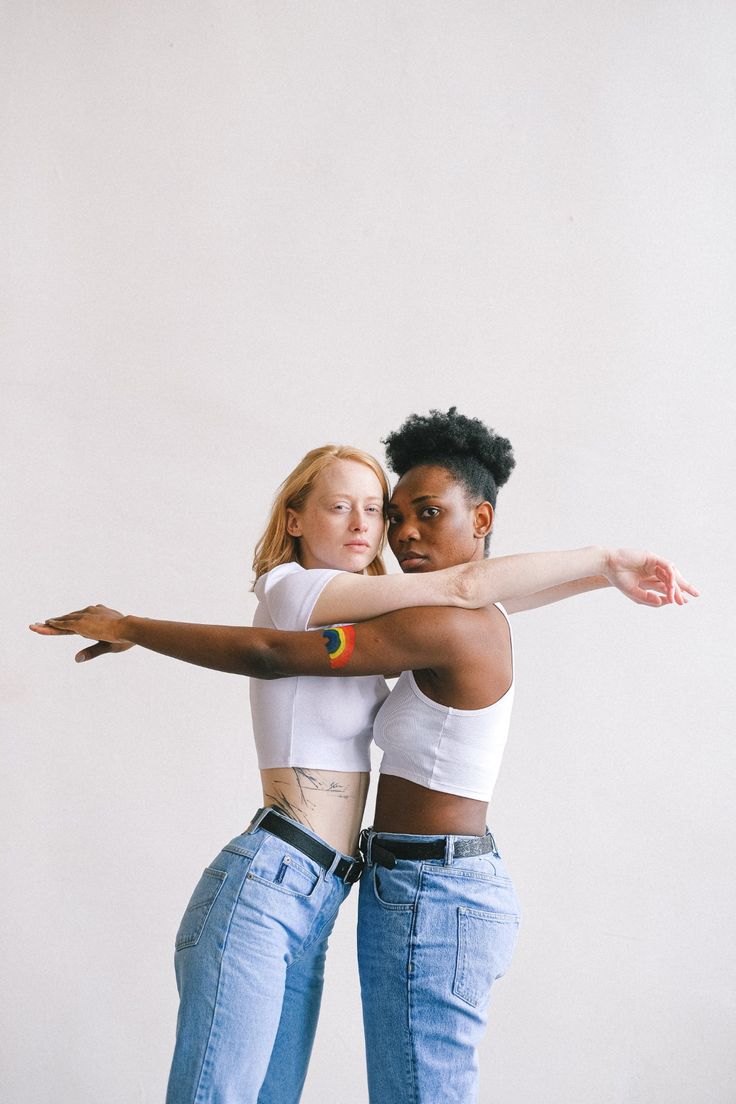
x: 341, y: 523
x: 431, y: 522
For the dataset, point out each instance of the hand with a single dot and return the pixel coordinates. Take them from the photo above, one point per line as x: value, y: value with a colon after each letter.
x: 646, y: 578
x: 95, y: 622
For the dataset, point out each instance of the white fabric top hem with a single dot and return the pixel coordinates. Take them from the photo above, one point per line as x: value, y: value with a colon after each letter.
x: 345, y: 768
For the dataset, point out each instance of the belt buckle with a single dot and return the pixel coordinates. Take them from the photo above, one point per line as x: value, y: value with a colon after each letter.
x: 354, y: 871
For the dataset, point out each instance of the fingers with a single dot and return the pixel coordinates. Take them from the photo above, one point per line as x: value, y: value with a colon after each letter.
x: 678, y: 583
x: 94, y: 650
x: 72, y: 613
x: 687, y: 587
x: 43, y: 629
x: 648, y: 597
x: 653, y: 583
x: 666, y: 572
x: 63, y: 624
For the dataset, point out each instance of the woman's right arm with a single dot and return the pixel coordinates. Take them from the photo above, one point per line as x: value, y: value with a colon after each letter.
x: 522, y: 581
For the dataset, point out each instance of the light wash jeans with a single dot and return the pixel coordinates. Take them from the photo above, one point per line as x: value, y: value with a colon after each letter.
x: 250, y: 953
x: 433, y: 936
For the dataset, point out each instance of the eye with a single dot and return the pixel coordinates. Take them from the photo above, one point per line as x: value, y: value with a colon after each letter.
x: 341, y: 506
x: 374, y: 509
x: 430, y: 511
x: 393, y: 518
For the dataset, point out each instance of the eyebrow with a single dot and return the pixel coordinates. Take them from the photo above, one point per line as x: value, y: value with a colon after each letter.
x: 347, y: 494
x: 415, y: 501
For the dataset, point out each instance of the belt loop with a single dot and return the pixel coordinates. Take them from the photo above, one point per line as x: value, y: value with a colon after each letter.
x: 449, y: 849
x: 493, y: 844
x: 366, y: 839
x: 260, y: 814
x: 335, y: 860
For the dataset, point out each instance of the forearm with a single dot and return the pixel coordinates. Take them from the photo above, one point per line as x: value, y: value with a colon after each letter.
x: 408, y: 639
x: 556, y: 594
x: 350, y: 597
x: 512, y: 577
x: 230, y: 648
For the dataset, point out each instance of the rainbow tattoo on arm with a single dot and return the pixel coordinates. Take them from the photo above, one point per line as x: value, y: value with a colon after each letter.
x: 339, y: 642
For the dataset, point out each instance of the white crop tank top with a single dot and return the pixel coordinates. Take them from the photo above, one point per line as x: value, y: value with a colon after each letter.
x: 457, y: 751
x: 309, y: 721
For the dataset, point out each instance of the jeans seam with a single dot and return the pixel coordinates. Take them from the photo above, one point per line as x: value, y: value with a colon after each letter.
x: 215, y: 1009
x: 309, y: 940
x: 410, y: 989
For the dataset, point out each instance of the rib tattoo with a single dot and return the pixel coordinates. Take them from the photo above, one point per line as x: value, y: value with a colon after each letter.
x: 308, y: 784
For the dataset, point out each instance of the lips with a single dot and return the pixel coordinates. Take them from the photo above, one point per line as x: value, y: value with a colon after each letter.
x: 411, y: 559
x: 358, y: 546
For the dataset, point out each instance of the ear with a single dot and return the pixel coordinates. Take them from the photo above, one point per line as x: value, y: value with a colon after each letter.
x: 483, y: 521
x: 293, y: 523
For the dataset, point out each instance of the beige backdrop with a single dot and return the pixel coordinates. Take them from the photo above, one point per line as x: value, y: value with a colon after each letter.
x: 234, y: 231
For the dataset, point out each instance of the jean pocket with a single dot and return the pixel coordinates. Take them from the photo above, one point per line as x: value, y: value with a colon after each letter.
x: 288, y: 872
x: 201, y: 902
x: 485, y: 944
x: 394, y: 888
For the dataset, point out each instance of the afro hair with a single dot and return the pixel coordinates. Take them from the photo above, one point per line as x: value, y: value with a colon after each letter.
x: 481, y: 459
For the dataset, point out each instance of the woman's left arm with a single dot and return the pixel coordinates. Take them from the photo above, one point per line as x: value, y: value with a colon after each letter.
x: 565, y: 590
x: 522, y: 581
x: 641, y: 576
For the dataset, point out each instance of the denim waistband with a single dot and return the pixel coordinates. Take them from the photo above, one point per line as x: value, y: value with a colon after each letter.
x: 336, y: 862
x: 368, y: 835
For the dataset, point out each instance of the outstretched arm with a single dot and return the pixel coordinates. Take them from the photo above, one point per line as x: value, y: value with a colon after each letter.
x: 640, y: 575
x: 407, y: 639
x: 521, y: 582
x: 557, y: 593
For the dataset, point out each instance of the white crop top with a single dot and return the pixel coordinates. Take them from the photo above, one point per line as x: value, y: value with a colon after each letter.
x: 457, y: 751
x: 309, y: 721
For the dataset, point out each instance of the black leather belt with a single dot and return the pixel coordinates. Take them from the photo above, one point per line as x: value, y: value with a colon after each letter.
x: 348, y: 870
x: 385, y: 851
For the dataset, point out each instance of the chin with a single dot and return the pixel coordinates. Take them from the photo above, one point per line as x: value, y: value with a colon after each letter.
x: 357, y: 563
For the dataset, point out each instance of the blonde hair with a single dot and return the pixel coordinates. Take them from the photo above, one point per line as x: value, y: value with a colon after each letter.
x: 277, y: 546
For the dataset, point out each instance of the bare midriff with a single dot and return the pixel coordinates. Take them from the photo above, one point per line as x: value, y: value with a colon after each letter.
x: 329, y: 803
x: 405, y: 807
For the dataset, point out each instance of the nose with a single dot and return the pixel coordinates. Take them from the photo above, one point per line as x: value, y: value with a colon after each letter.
x: 359, y: 522
x: 402, y: 532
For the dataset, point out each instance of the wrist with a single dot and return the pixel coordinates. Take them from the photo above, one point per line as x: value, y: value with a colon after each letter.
x: 602, y: 560
x: 128, y: 629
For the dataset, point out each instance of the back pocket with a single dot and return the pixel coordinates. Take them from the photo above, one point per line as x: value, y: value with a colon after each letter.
x: 485, y: 944
x: 198, y: 909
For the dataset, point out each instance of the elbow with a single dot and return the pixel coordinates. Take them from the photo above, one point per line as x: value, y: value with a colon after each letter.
x: 261, y: 660
x: 465, y: 588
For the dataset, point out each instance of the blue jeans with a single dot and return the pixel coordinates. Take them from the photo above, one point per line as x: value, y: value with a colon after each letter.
x: 250, y: 953
x: 433, y: 936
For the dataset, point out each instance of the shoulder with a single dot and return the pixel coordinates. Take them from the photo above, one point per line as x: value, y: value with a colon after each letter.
x: 477, y: 635
x: 289, y: 592
x: 486, y: 621
x: 265, y: 582
x: 458, y: 627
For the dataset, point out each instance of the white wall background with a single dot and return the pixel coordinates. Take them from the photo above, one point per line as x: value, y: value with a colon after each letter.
x: 233, y: 231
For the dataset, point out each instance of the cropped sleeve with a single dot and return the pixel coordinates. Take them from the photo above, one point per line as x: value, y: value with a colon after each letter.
x: 289, y: 593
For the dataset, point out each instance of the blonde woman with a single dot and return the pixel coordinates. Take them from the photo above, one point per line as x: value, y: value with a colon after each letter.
x: 251, y: 945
